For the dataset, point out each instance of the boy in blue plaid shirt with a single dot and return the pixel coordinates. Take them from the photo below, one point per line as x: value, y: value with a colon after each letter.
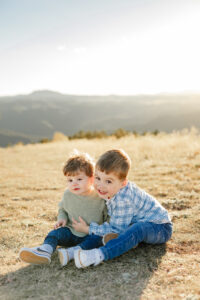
x: 135, y: 216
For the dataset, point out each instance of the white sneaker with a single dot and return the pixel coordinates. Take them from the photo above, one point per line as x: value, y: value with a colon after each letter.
x: 63, y: 256
x: 35, y: 256
x: 85, y: 258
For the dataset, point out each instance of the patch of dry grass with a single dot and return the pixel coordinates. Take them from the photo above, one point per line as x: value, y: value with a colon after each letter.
x: 32, y: 184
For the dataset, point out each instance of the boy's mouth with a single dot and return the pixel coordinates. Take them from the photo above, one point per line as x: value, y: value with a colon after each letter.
x: 76, y: 189
x: 102, y: 193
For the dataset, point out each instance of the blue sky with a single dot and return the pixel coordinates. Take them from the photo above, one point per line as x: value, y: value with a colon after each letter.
x: 99, y: 46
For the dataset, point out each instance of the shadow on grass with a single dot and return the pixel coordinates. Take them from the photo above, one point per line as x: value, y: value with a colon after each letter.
x: 124, y: 277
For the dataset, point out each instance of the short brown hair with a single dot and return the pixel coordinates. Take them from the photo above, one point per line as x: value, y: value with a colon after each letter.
x: 116, y: 161
x: 79, y: 162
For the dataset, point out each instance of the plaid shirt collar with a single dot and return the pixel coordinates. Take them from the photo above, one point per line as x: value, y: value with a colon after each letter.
x: 111, y: 203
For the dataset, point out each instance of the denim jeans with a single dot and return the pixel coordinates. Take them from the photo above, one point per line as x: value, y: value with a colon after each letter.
x: 147, y: 232
x: 64, y: 237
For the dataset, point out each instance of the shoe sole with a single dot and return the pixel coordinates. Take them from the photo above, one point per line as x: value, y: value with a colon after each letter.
x: 108, y: 237
x: 31, y: 257
x: 77, y: 260
x: 62, y: 259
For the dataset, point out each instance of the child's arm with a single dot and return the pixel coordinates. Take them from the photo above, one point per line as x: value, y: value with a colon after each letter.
x: 106, y: 217
x: 120, y: 219
x: 80, y: 226
x: 60, y: 223
x: 62, y: 216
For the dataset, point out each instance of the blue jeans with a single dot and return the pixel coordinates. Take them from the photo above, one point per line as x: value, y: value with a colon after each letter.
x: 147, y: 232
x: 64, y: 237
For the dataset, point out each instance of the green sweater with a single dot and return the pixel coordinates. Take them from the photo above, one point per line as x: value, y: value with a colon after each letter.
x: 91, y: 208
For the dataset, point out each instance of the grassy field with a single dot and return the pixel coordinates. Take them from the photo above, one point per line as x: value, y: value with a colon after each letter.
x: 31, y: 185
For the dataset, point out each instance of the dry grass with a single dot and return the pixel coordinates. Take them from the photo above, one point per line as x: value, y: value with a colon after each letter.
x: 31, y: 185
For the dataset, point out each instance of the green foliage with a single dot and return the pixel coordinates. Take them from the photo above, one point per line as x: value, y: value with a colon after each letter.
x: 89, y: 135
x: 155, y: 132
x: 96, y: 134
x: 44, y: 141
x: 144, y: 133
x: 135, y: 133
x: 120, y: 133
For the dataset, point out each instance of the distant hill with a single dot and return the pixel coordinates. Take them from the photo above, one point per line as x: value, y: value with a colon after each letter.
x: 11, y: 139
x: 38, y: 115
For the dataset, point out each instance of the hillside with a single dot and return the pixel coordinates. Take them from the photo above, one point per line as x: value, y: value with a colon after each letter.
x: 32, y: 184
x: 42, y: 113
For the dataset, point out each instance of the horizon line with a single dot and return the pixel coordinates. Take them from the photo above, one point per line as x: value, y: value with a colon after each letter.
x: 186, y: 92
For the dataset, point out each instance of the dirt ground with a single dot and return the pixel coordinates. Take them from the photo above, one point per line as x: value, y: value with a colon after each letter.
x: 31, y: 185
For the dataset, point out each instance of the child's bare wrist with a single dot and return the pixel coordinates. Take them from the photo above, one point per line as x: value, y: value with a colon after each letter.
x: 87, y: 229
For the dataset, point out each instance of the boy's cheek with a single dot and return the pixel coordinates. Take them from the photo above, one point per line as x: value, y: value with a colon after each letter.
x: 95, y: 186
x: 91, y: 181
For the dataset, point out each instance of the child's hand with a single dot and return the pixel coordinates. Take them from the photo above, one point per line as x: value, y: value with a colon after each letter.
x: 60, y: 223
x: 80, y: 226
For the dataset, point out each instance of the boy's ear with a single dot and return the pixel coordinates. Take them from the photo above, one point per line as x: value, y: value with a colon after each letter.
x: 124, y: 183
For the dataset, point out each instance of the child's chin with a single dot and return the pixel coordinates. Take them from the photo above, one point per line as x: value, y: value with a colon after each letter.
x: 77, y: 192
x: 104, y: 197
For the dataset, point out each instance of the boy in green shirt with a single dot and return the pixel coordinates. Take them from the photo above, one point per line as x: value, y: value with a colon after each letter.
x: 79, y: 199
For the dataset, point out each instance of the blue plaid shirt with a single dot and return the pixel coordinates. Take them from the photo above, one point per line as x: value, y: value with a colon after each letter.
x: 130, y: 205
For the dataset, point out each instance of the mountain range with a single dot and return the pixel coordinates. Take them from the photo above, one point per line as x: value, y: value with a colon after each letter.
x: 32, y: 117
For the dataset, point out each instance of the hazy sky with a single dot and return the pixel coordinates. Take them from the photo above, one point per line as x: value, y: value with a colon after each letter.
x: 99, y: 46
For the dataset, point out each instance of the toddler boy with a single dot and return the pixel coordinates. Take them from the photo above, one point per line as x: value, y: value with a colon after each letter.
x: 79, y: 199
x: 135, y: 216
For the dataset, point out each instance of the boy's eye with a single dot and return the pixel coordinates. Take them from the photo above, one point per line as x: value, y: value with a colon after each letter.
x: 108, y: 181
x: 69, y: 180
x: 97, y: 178
x: 79, y: 179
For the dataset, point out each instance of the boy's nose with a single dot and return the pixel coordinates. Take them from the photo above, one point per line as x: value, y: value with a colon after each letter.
x: 100, y: 186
